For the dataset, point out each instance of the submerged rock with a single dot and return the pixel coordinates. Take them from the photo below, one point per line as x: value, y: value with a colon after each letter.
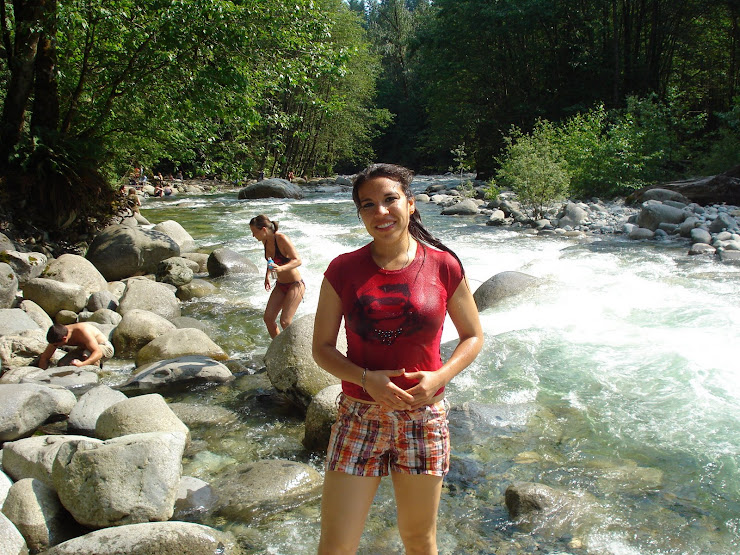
x: 551, y: 512
x: 255, y: 490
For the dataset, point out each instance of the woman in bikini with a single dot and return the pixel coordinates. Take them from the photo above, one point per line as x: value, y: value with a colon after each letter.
x: 289, y: 290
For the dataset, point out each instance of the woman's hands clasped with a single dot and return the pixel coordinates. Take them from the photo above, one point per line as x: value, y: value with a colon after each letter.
x: 379, y: 386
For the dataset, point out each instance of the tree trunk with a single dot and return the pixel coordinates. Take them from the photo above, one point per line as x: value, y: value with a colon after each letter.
x: 46, y: 89
x: 28, y: 20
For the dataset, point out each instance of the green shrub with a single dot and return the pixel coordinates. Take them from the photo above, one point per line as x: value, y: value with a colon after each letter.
x: 611, y: 153
x: 533, y: 167
x: 491, y: 190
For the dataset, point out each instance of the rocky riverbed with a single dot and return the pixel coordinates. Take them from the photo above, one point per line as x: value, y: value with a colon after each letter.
x: 79, y: 455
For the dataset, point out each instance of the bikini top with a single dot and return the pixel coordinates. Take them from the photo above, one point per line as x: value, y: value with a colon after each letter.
x: 279, y: 258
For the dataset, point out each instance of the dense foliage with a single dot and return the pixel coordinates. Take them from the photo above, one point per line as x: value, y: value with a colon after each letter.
x: 619, y: 92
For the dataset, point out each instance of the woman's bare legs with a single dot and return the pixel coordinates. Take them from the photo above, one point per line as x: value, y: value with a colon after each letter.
x: 417, y: 504
x: 292, y: 300
x: 274, y: 304
x: 284, y: 304
x: 345, y: 504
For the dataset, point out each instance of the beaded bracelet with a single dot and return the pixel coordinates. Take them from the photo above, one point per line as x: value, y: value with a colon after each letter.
x: 364, y: 374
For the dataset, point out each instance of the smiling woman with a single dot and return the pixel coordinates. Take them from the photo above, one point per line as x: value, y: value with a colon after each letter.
x: 393, y: 294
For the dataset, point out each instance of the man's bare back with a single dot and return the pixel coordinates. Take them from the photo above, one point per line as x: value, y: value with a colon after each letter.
x: 92, y: 345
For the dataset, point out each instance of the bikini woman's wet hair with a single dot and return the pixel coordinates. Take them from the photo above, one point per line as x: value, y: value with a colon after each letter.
x: 402, y: 176
x: 263, y: 221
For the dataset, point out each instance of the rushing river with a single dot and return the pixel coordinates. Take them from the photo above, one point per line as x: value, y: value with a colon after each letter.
x: 618, y: 376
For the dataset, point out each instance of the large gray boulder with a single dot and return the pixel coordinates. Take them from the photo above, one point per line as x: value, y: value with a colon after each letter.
x: 11, y: 540
x: 33, y: 457
x: 25, y: 407
x: 145, y: 294
x: 121, y: 251
x: 165, y: 538
x: 103, y: 316
x: 195, y: 289
x: 177, y: 233
x: 124, y: 480
x: 175, y: 271
x: 723, y: 222
x: 661, y: 195
x: 200, y: 258
x: 245, y: 490
x: 271, y: 188
x: 320, y: 416
x: 572, y: 216
x: 466, y: 207
x: 37, y: 314
x: 26, y: 265
x: 14, y: 321
x: 53, y: 295
x: 8, y: 285
x: 179, y: 343
x: 501, y: 286
x: 188, y: 369
x: 72, y: 268
x: 102, y: 299
x: 136, y: 329
x: 22, y: 349
x: 137, y: 415
x: 35, y: 510
x: 84, y: 416
x: 225, y: 261
x: 654, y: 213
x: 290, y: 364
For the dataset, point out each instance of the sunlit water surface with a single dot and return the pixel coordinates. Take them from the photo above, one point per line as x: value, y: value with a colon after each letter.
x: 617, y: 376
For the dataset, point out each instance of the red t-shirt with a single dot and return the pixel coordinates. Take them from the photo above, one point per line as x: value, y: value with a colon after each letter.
x: 394, y: 318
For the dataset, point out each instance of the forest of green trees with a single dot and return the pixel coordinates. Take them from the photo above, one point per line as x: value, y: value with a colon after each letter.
x: 617, y: 93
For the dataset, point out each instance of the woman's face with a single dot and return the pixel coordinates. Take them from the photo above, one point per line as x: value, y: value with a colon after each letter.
x: 258, y: 233
x: 385, y: 210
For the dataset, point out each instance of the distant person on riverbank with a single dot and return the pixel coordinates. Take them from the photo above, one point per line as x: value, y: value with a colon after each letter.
x: 133, y: 200
x: 179, y: 175
x: 291, y: 175
x: 393, y: 295
x: 289, y: 287
x: 167, y: 190
x: 261, y: 175
x: 91, y: 346
x: 158, y: 190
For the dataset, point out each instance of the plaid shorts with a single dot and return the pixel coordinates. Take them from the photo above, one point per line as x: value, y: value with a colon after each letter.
x: 367, y: 440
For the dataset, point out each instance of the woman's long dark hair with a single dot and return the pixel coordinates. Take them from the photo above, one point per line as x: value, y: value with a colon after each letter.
x: 402, y: 176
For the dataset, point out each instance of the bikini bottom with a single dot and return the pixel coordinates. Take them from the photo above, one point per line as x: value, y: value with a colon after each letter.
x: 285, y: 287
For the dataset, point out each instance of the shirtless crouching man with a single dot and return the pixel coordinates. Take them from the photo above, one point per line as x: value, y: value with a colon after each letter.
x: 92, y: 346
